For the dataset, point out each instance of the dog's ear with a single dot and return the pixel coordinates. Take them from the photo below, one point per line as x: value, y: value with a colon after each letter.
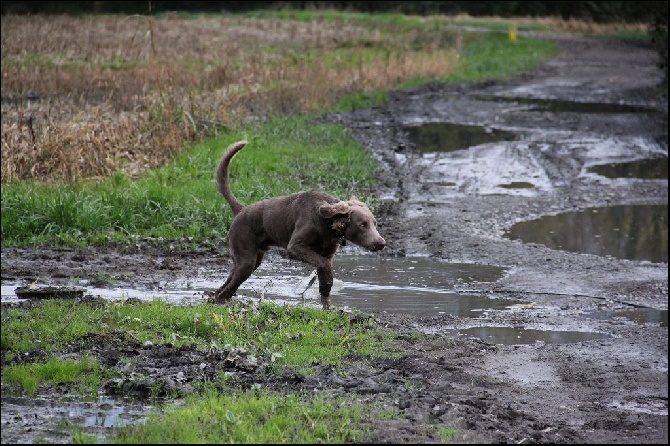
x: 338, y: 213
x: 354, y: 201
x: 328, y: 210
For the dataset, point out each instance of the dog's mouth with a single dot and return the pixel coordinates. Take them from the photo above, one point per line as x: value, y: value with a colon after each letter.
x: 377, y: 246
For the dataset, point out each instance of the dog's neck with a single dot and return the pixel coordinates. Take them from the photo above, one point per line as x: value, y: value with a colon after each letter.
x: 339, y: 226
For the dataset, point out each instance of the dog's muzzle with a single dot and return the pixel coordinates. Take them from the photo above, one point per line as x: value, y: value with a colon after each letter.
x: 378, y: 245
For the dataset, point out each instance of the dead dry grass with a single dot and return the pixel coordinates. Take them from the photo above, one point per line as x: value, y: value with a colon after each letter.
x: 83, y: 97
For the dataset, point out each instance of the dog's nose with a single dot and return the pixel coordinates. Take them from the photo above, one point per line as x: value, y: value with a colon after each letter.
x: 379, y: 244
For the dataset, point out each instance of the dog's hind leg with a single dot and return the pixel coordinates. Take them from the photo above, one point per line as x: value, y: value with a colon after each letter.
x: 259, y: 259
x: 241, y: 272
x: 247, y: 256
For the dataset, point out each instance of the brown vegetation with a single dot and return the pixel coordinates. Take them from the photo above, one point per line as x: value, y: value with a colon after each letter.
x: 84, y: 97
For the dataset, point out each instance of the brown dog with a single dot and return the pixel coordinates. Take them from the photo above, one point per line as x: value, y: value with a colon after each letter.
x: 310, y: 225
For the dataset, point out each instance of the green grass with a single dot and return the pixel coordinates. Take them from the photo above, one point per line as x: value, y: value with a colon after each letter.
x: 85, y: 374
x: 283, y: 336
x: 489, y: 56
x: 66, y: 64
x: 280, y: 336
x: 251, y: 417
x: 446, y: 434
x: 180, y: 200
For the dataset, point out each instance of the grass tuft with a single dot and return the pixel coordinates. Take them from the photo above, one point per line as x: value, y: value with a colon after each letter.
x: 84, y: 373
x: 252, y: 417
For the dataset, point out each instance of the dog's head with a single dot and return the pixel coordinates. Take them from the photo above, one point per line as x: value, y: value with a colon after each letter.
x: 355, y: 222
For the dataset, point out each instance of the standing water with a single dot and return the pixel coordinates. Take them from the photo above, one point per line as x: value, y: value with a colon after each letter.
x: 626, y: 232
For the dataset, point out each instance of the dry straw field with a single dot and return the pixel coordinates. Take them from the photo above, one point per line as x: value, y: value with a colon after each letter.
x: 84, y: 97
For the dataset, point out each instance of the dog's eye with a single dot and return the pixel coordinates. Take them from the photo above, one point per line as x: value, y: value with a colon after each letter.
x: 364, y: 224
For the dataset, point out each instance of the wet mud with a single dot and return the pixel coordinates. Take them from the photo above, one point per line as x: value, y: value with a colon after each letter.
x: 577, y: 350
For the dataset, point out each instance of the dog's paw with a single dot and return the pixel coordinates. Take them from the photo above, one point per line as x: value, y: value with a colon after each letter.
x: 210, y: 296
x: 326, y: 302
x: 214, y: 298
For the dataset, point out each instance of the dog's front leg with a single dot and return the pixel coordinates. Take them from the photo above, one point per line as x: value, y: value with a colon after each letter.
x: 324, y: 269
x: 325, y: 275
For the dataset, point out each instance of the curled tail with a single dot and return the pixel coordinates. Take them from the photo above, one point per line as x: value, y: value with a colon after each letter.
x: 222, y: 183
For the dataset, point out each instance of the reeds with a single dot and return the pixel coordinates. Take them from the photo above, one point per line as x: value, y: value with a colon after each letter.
x: 85, y: 97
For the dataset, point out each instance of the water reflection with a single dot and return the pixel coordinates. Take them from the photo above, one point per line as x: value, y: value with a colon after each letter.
x: 646, y: 169
x: 413, y: 285
x: 515, y: 335
x: 407, y: 285
x: 637, y: 315
x: 447, y: 137
x: 557, y: 105
x: 628, y: 232
x: 517, y: 185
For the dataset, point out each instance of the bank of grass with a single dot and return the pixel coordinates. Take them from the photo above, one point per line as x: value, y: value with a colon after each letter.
x: 492, y: 55
x: 180, y: 201
x: 85, y: 376
x: 279, y: 336
x: 252, y: 417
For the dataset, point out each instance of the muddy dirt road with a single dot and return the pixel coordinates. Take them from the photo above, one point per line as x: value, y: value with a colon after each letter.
x: 611, y: 387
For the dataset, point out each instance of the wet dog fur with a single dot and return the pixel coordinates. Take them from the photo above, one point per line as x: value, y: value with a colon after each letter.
x: 309, y: 225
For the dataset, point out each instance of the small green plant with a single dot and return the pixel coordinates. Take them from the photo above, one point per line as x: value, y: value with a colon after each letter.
x: 446, y: 434
x: 409, y: 385
x: 254, y: 416
x: 85, y: 372
x: 79, y: 437
x: 102, y: 279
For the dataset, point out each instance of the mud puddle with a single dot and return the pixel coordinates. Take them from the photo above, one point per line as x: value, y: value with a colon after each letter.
x: 563, y: 106
x: 410, y: 285
x: 42, y: 417
x: 517, y: 335
x: 638, y: 315
x: 625, y: 232
x: 448, y: 137
x: 417, y: 285
x: 647, y: 169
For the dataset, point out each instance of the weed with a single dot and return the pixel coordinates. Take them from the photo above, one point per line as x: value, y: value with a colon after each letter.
x: 30, y: 377
x: 254, y: 416
x: 446, y: 434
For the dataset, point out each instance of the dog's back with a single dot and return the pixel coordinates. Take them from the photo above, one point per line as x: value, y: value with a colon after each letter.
x: 276, y: 219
